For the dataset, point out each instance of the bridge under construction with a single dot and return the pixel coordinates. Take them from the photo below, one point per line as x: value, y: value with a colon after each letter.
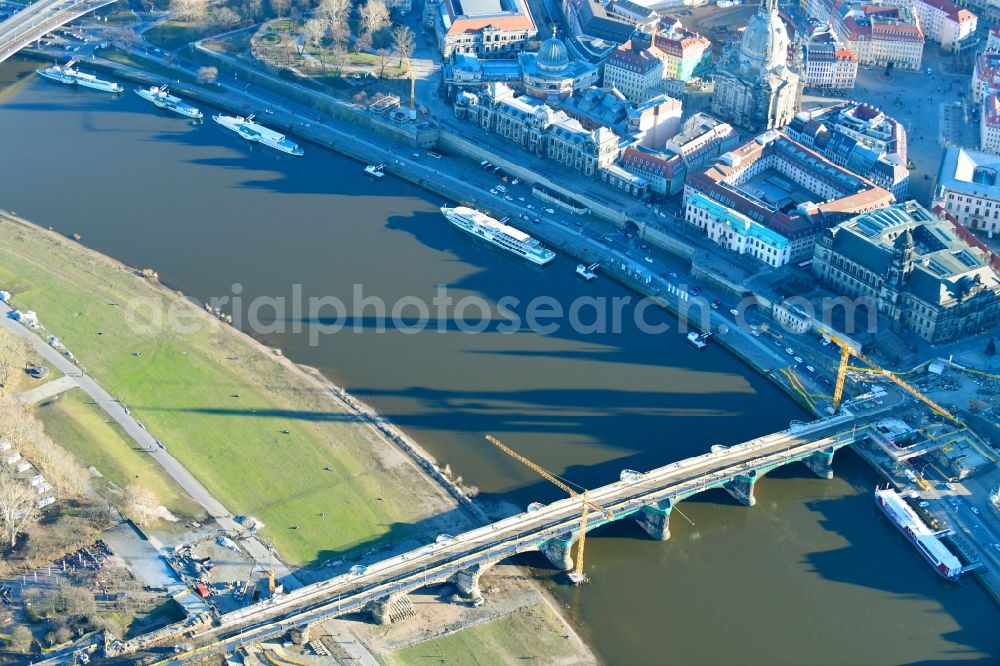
x: 648, y: 498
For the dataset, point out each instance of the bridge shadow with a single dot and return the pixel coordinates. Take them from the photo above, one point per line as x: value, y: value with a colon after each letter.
x: 878, y: 557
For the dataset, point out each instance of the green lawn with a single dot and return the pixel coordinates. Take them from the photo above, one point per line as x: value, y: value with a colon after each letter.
x: 126, y: 58
x: 172, y: 35
x: 181, y: 387
x: 83, y: 429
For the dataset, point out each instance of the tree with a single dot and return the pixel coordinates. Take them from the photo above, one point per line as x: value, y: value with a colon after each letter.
x: 383, y: 60
x: 251, y: 9
x: 334, y: 12
x: 313, y: 32
x: 13, y: 356
x: 188, y: 10
x: 223, y: 18
x: 125, y: 37
x: 991, y: 347
x: 140, y: 504
x: 398, y: 4
x: 207, y: 75
x: 280, y: 7
x: 403, y: 43
x: 363, y: 42
x: 18, y: 509
x: 21, y: 639
x: 374, y: 16
x: 338, y: 58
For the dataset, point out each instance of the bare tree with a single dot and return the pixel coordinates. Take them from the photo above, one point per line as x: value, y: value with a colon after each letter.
x: 338, y: 58
x: 250, y: 9
x: 403, y: 44
x: 313, y: 32
x: 374, y: 16
x: 223, y: 18
x: 363, y: 42
x: 280, y: 7
x: 13, y: 356
x: 21, y: 639
x: 188, y: 10
x: 207, y: 75
x: 125, y: 37
x: 334, y: 11
x: 384, y: 55
x: 140, y: 504
x: 398, y: 4
x: 18, y: 509
x: 19, y: 425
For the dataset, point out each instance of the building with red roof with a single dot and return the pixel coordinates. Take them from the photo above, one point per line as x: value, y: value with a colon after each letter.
x: 482, y: 27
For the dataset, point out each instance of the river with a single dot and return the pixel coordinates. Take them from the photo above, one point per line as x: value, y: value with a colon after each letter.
x: 812, y: 574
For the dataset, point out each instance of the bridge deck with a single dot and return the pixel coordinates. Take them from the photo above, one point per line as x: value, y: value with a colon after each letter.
x: 39, y: 18
x: 438, y: 562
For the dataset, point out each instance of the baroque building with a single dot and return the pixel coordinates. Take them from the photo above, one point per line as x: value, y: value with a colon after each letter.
x: 917, y: 269
x: 754, y: 86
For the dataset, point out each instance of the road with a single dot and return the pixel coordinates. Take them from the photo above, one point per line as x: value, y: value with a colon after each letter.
x: 145, y: 441
x: 35, y: 20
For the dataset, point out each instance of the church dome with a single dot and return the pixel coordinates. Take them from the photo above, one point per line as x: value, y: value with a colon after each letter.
x: 764, y: 45
x: 553, y: 55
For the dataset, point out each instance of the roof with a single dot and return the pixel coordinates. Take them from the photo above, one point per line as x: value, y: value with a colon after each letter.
x: 738, y: 222
x: 942, y: 266
x: 498, y: 14
x: 723, y: 182
x: 970, y: 172
x: 951, y: 10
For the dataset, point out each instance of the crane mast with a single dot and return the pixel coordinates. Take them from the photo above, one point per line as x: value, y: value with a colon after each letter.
x: 577, y: 576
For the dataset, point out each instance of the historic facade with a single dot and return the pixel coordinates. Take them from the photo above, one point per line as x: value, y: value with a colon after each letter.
x: 916, y: 269
x: 550, y: 72
x: 968, y: 188
x: 754, y: 86
x: 549, y: 133
x: 786, y: 187
x: 484, y: 27
x: 859, y: 137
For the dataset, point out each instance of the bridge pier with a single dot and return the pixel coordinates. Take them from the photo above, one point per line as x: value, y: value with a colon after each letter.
x: 821, y: 463
x: 387, y: 609
x: 655, y: 519
x: 466, y: 581
x: 741, y: 488
x: 559, y: 551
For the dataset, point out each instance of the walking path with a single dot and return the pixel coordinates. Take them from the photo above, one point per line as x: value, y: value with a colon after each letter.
x: 46, y: 391
x: 119, y: 412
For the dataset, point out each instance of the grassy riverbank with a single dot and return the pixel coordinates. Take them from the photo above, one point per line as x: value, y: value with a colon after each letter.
x: 262, y: 435
x: 83, y: 429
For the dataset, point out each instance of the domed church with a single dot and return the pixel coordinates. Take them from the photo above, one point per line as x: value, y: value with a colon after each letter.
x: 551, y: 71
x: 754, y: 86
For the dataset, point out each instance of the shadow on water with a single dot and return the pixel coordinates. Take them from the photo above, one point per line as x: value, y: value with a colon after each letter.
x: 852, y: 565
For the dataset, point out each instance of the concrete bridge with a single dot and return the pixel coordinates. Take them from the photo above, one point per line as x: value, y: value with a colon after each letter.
x: 648, y: 498
x: 40, y: 18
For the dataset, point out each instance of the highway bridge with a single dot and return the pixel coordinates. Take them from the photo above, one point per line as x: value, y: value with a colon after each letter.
x: 647, y: 498
x: 40, y: 18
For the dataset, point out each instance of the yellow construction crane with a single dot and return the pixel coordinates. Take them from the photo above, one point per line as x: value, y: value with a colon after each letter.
x: 577, y: 576
x: 846, y: 352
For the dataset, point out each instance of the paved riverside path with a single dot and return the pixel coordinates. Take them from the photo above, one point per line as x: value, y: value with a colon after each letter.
x: 147, y: 442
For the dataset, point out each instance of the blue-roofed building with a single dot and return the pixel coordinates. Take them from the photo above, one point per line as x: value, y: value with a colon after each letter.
x: 551, y: 72
x: 737, y: 232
